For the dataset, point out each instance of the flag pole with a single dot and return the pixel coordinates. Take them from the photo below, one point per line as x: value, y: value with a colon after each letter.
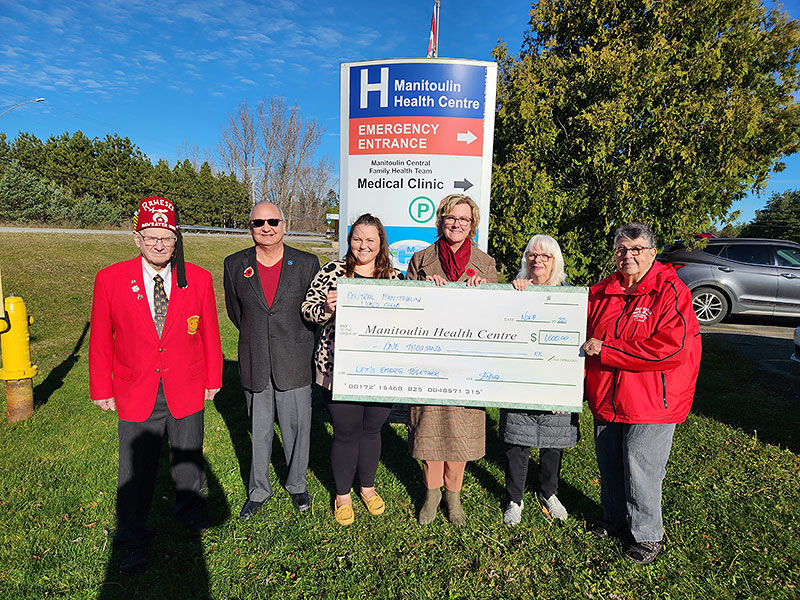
x: 436, y: 6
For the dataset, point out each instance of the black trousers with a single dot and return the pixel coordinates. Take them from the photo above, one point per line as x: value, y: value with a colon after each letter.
x: 139, y: 450
x: 517, y: 470
x: 356, y: 445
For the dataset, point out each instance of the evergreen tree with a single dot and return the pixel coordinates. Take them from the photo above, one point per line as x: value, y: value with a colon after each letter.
x: 780, y: 218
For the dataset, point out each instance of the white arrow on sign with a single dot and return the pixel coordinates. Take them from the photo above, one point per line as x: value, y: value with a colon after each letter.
x: 468, y: 137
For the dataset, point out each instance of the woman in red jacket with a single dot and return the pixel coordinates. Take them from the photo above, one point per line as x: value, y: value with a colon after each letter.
x: 643, y: 355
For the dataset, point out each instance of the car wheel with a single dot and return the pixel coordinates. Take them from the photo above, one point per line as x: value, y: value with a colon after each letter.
x: 710, y: 305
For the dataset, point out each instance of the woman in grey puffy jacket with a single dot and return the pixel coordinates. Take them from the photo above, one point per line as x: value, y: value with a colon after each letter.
x: 549, y: 432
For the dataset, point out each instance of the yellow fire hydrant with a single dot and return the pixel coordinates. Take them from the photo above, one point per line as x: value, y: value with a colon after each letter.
x: 17, y: 370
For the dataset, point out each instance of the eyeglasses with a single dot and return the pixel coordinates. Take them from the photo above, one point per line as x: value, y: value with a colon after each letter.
x: 260, y: 222
x: 635, y: 251
x: 463, y: 221
x: 152, y: 241
x: 545, y: 257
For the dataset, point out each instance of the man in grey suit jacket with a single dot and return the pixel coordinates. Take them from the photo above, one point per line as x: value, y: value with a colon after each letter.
x: 264, y: 287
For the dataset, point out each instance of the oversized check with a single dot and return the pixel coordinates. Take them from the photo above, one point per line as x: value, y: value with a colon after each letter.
x: 488, y: 345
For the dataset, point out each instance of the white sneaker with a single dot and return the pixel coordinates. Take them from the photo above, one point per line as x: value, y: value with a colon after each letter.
x: 554, y: 507
x: 512, y: 515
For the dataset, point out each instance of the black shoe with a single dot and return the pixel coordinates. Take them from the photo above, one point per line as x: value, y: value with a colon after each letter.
x: 197, y: 526
x: 249, y: 509
x: 603, y: 529
x: 301, y: 501
x: 133, y: 558
x: 644, y: 553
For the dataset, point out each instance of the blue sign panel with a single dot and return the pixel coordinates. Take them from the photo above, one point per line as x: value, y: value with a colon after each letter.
x: 417, y: 89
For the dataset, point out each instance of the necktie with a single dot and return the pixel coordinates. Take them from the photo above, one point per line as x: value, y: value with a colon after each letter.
x: 160, y: 304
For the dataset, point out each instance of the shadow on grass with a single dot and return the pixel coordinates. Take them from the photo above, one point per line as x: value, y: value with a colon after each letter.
x: 732, y: 389
x: 231, y: 405
x: 399, y: 462
x: 176, y: 567
x: 319, y: 461
x: 55, y: 379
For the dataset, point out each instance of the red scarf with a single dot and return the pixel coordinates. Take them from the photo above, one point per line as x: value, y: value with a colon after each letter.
x: 454, y: 264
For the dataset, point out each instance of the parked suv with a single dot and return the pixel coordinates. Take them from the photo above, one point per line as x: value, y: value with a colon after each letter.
x: 739, y: 276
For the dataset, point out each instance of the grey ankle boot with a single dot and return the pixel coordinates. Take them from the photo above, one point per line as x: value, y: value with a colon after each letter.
x: 428, y: 512
x: 454, y: 510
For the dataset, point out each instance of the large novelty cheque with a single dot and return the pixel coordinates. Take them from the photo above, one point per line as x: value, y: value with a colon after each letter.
x: 489, y: 345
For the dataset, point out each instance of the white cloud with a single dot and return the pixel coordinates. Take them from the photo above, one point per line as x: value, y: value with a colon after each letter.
x: 151, y: 57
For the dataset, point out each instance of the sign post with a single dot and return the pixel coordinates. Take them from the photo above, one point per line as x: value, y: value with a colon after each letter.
x: 412, y: 132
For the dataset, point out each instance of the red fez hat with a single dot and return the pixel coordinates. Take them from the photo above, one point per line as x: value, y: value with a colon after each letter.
x: 156, y: 212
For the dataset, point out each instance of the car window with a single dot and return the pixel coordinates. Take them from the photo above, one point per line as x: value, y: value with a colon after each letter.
x: 755, y: 254
x: 788, y: 256
x: 714, y: 249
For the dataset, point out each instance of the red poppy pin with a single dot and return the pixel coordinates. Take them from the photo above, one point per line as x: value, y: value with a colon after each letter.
x: 248, y: 272
x: 470, y: 272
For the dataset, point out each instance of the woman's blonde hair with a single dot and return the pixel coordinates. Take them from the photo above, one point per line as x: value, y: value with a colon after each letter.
x: 448, y: 203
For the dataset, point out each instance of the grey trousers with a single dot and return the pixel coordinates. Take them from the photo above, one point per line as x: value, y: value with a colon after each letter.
x: 632, y: 459
x: 293, y: 411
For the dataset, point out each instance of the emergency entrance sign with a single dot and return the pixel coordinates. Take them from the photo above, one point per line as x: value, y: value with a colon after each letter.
x: 412, y: 132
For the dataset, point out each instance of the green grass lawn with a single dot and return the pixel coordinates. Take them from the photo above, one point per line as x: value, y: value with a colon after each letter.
x: 731, y: 497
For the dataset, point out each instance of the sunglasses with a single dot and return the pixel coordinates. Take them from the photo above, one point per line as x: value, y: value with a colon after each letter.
x: 270, y: 222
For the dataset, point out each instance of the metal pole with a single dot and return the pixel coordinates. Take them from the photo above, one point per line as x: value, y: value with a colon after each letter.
x: 437, y: 5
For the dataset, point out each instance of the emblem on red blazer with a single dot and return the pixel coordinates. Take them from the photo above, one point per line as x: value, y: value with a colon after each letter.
x: 248, y: 272
x: 470, y: 272
x: 641, y: 313
x: 194, y: 323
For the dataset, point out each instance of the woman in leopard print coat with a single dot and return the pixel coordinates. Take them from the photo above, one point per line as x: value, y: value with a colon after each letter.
x: 357, y: 426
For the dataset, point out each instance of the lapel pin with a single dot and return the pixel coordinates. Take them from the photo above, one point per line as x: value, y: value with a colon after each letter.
x: 139, y: 297
x: 289, y: 262
x: 248, y: 272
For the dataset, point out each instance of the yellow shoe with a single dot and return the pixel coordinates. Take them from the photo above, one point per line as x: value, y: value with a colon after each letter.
x: 375, y: 504
x: 344, y: 514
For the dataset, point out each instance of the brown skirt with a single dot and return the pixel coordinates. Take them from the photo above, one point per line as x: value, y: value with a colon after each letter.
x: 452, y: 433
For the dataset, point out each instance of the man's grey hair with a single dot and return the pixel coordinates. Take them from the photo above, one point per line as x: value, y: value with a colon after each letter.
x: 252, y: 210
x: 631, y: 231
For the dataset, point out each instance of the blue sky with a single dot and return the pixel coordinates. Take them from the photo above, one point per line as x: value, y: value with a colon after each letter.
x: 167, y: 74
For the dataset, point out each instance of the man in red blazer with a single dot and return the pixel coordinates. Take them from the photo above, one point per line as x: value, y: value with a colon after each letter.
x: 155, y: 358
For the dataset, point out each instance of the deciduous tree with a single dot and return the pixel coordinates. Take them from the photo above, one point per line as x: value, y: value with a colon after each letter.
x: 617, y: 110
x: 272, y: 150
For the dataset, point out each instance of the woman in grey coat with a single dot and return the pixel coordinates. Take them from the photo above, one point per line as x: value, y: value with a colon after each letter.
x: 549, y: 432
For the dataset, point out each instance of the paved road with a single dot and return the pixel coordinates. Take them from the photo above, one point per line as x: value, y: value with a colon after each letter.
x: 767, y: 341
x: 312, y: 239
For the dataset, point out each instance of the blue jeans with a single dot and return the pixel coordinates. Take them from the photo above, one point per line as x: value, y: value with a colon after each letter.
x: 632, y: 459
